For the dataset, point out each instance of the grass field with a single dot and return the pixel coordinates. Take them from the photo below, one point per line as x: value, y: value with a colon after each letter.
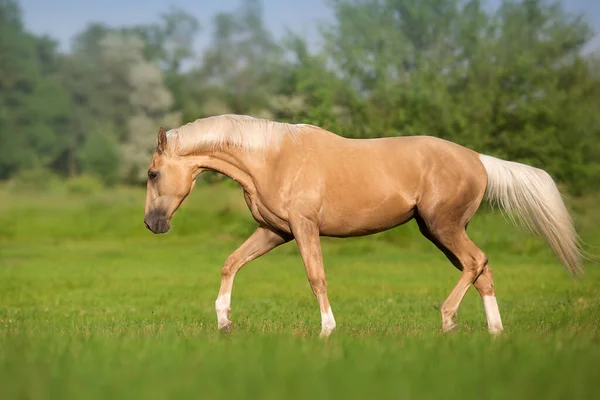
x: 94, y: 306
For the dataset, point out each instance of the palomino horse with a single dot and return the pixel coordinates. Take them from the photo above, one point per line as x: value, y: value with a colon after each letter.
x: 302, y: 182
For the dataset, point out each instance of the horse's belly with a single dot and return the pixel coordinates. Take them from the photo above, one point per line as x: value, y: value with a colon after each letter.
x: 360, y: 220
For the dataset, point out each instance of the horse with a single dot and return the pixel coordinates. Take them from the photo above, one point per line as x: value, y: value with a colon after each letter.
x: 301, y: 182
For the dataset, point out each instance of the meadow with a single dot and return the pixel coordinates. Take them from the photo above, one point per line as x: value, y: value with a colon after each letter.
x: 92, y: 305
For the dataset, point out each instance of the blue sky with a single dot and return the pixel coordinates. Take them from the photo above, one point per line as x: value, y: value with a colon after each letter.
x: 62, y: 19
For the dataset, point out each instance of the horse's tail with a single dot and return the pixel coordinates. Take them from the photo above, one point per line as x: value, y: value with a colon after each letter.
x: 532, y: 195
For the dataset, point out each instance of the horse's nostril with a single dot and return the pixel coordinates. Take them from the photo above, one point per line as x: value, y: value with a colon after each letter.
x: 156, y: 221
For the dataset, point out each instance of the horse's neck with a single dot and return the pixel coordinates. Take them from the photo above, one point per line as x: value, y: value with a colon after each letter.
x: 235, y: 167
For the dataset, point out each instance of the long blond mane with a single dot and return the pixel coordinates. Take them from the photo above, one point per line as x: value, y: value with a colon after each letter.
x: 240, y: 131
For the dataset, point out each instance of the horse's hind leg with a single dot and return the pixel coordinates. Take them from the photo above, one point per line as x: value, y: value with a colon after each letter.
x: 451, y: 237
x: 472, y: 260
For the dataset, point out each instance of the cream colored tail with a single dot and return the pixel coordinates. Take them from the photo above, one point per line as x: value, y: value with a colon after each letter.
x: 531, y: 195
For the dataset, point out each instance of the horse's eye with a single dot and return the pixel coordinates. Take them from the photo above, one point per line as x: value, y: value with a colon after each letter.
x: 152, y: 175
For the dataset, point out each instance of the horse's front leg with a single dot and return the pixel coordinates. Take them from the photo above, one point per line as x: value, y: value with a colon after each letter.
x: 260, y: 242
x: 307, y: 237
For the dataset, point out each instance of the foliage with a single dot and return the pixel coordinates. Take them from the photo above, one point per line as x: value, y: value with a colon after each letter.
x: 84, y: 184
x: 35, y: 179
x: 32, y: 103
x: 511, y: 81
x: 101, y: 156
x: 136, y: 103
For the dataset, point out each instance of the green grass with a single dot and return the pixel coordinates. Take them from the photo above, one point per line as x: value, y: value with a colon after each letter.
x: 94, y: 306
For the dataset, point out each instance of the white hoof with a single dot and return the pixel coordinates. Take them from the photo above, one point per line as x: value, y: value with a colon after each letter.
x: 327, y: 323
x: 495, y: 330
x: 225, y: 327
x: 325, y: 333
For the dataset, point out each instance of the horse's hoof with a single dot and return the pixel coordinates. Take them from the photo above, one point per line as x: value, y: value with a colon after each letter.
x: 325, y: 333
x: 226, y: 328
x: 495, y: 332
x: 450, y: 329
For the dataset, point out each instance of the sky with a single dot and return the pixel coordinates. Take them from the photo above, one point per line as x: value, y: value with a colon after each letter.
x: 63, y: 19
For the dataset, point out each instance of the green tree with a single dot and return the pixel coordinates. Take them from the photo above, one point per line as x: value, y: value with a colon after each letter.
x: 149, y: 100
x: 100, y: 155
x: 33, y: 106
x: 242, y: 65
x: 112, y: 82
x: 98, y: 93
x: 311, y: 93
x: 170, y: 41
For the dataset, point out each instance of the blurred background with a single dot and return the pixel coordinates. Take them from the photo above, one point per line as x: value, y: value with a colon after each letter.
x: 93, y: 305
x: 85, y: 86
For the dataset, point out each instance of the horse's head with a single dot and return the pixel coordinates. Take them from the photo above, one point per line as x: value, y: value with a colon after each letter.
x: 170, y: 180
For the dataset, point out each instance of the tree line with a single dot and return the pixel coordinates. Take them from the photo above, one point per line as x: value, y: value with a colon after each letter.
x: 512, y: 81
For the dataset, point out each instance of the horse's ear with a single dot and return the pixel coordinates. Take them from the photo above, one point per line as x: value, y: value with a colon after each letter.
x: 162, y: 140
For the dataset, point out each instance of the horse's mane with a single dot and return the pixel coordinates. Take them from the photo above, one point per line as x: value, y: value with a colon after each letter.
x: 241, y: 131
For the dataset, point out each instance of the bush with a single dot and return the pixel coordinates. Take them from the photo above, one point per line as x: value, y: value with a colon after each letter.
x: 33, y: 180
x: 100, y: 156
x: 84, y: 184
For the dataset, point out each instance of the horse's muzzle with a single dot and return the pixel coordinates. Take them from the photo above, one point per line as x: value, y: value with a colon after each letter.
x: 157, y: 221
